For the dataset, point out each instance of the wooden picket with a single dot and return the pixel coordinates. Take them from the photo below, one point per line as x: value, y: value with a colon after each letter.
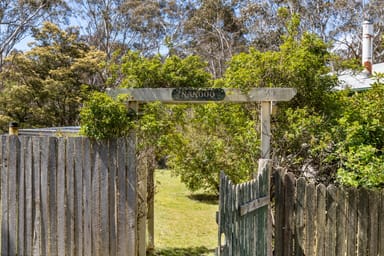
x: 326, y: 221
x: 68, y: 196
x: 244, y: 216
x: 309, y: 219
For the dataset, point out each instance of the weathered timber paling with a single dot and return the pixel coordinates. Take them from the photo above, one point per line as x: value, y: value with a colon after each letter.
x: 320, y: 221
x: 243, y: 222
x: 68, y: 196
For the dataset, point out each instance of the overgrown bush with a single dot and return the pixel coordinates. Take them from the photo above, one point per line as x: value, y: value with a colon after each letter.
x: 345, y: 147
x: 104, y: 117
x: 215, y: 137
x: 360, y: 144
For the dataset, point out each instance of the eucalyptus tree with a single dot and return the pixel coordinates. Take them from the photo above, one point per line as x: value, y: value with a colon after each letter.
x: 214, y: 31
x: 18, y: 17
x: 123, y: 25
x: 218, y: 29
x: 264, y: 26
x: 337, y: 22
x: 340, y: 22
x: 119, y: 26
x: 102, y: 23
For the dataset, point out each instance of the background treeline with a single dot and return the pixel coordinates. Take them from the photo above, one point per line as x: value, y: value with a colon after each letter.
x: 79, y: 48
x: 213, y: 29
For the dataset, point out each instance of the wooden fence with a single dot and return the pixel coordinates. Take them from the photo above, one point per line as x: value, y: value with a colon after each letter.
x: 67, y: 196
x: 319, y: 220
x: 243, y: 218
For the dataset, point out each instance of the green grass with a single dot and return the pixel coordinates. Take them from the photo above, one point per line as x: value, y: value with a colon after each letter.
x: 185, y: 223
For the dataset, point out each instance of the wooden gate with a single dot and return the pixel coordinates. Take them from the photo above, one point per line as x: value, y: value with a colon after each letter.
x: 243, y: 218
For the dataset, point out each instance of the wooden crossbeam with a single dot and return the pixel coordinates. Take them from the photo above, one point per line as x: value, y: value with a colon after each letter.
x: 204, y: 95
x: 254, y: 205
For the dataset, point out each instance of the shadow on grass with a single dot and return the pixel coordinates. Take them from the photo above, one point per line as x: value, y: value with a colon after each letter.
x: 205, y: 198
x: 191, y: 251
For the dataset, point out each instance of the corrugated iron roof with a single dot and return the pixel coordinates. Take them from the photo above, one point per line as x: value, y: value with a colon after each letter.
x: 358, y: 81
x: 52, y: 131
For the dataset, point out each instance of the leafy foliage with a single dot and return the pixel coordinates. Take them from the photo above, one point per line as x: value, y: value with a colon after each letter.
x: 321, y: 134
x: 215, y: 137
x: 345, y: 147
x: 103, y: 117
x: 303, y: 143
x: 198, y: 141
x: 136, y: 70
x: 299, y: 64
x: 47, y: 85
x: 361, y: 139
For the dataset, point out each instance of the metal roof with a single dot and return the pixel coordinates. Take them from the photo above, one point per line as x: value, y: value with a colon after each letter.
x: 358, y: 81
x: 52, y: 131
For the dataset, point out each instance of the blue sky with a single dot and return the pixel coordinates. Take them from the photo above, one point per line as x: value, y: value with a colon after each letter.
x: 23, y: 44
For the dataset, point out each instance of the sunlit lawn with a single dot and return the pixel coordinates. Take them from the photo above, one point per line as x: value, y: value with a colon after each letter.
x: 184, y: 222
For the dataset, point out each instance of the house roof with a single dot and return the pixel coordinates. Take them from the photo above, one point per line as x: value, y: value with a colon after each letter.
x: 358, y: 81
x: 51, y: 131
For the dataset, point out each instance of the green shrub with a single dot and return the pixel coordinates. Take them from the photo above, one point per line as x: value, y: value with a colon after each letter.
x: 104, y: 117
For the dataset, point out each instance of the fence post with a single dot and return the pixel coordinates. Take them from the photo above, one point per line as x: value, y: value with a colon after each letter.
x: 142, y: 206
x: 151, y: 210
x: 265, y: 129
x: 266, y: 164
x: 135, y: 234
x: 13, y: 128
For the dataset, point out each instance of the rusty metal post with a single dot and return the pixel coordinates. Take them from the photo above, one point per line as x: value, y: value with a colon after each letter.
x: 13, y: 128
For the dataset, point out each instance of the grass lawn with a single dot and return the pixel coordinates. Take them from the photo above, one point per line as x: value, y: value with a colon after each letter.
x: 185, y: 223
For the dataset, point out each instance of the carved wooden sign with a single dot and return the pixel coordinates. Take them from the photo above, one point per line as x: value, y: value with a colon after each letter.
x: 198, y: 94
